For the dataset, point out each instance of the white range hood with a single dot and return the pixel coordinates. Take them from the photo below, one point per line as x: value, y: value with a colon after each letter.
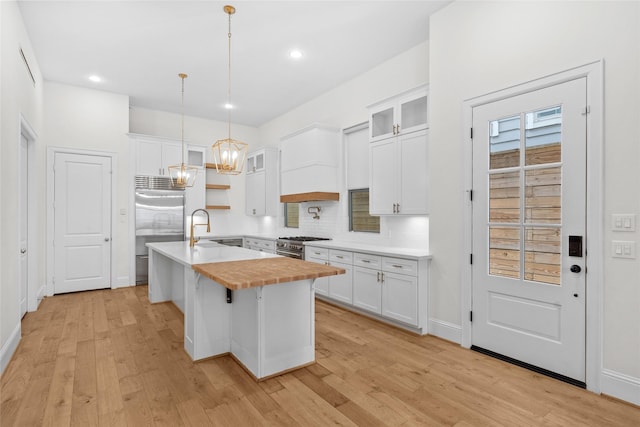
x: 309, y: 166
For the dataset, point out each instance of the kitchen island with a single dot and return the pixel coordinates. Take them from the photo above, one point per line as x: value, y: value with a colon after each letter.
x: 255, y: 306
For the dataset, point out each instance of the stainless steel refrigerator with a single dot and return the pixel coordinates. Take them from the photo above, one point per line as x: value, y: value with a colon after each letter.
x: 159, y: 218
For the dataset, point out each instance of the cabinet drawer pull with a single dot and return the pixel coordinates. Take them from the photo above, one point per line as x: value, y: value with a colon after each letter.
x: 366, y: 260
x: 339, y: 256
x: 396, y: 266
x: 317, y: 253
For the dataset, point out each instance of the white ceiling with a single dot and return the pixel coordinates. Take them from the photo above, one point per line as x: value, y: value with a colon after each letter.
x: 139, y: 47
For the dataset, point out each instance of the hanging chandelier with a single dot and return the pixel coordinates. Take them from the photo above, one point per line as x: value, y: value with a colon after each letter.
x: 229, y: 154
x: 182, y: 175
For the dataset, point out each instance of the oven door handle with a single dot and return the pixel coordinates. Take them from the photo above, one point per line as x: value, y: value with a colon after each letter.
x: 289, y: 254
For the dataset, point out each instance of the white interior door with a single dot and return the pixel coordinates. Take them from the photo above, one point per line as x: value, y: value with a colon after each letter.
x: 23, y: 215
x: 82, y: 222
x: 529, y: 222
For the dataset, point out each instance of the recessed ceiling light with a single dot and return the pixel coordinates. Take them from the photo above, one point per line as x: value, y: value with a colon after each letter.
x: 228, y: 106
x: 295, y: 54
x: 95, y: 79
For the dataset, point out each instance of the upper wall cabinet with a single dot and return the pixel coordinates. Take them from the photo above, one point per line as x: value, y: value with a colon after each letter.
x: 398, y: 155
x: 401, y: 114
x: 154, y: 155
x: 262, y: 182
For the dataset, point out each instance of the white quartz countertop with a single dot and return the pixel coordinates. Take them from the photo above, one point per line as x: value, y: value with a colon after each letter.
x: 205, y: 252
x: 410, y: 253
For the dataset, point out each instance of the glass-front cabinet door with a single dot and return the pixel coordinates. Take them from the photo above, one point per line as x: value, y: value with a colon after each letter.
x: 413, y: 114
x: 383, y: 122
x: 401, y: 114
x: 255, y: 162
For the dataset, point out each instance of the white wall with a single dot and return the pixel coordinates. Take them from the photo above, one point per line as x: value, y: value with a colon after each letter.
x: 89, y: 119
x: 18, y: 96
x: 343, y: 107
x: 204, y: 132
x: 480, y: 47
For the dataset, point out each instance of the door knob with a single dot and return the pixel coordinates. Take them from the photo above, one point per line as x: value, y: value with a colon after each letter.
x: 575, y: 268
x: 23, y: 251
x: 106, y: 239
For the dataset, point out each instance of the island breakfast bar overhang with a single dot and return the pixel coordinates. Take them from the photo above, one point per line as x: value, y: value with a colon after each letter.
x: 269, y: 326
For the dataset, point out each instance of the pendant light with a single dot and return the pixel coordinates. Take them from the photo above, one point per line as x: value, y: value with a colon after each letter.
x: 182, y: 175
x: 229, y: 154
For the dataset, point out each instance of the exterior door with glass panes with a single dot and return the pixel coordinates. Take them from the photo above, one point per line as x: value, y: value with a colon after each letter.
x: 529, y: 222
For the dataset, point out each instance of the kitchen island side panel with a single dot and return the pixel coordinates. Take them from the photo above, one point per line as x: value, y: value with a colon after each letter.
x: 287, y: 326
x: 209, y: 325
x: 166, y: 282
x: 245, y: 328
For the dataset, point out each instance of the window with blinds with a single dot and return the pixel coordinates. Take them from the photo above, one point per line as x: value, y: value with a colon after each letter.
x: 359, y: 218
x: 291, y: 215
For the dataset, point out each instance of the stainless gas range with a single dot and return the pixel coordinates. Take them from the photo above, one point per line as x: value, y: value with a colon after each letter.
x: 293, y: 247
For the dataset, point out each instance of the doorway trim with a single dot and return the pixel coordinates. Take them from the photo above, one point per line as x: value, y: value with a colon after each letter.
x: 594, y: 73
x: 115, y: 241
x: 35, y: 292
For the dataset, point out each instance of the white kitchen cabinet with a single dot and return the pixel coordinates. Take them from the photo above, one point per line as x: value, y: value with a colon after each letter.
x: 388, y: 288
x: 256, y: 161
x: 367, y: 293
x: 321, y: 284
x: 195, y: 156
x: 399, y: 297
x: 155, y: 155
x: 262, y: 245
x: 341, y: 286
x: 404, y: 113
x: 398, y: 175
x: 262, y: 183
x: 398, y: 154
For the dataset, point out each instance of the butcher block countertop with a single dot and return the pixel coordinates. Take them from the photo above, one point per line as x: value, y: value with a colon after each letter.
x: 251, y: 273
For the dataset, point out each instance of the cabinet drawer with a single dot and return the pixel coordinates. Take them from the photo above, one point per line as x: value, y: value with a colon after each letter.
x: 265, y: 244
x: 312, y: 252
x: 341, y: 256
x: 399, y: 265
x: 366, y: 260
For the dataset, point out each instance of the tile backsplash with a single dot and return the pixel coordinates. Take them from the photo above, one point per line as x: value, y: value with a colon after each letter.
x: 398, y: 231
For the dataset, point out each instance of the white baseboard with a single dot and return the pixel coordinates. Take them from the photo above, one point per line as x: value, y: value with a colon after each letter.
x: 123, y: 282
x: 9, y: 347
x: 620, y: 386
x: 40, y: 294
x: 445, y: 330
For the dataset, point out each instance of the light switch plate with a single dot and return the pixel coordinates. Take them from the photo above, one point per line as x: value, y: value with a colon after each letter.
x: 623, y: 222
x: 623, y: 249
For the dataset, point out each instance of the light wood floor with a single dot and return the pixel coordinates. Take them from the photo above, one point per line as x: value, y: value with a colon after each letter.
x: 111, y: 358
